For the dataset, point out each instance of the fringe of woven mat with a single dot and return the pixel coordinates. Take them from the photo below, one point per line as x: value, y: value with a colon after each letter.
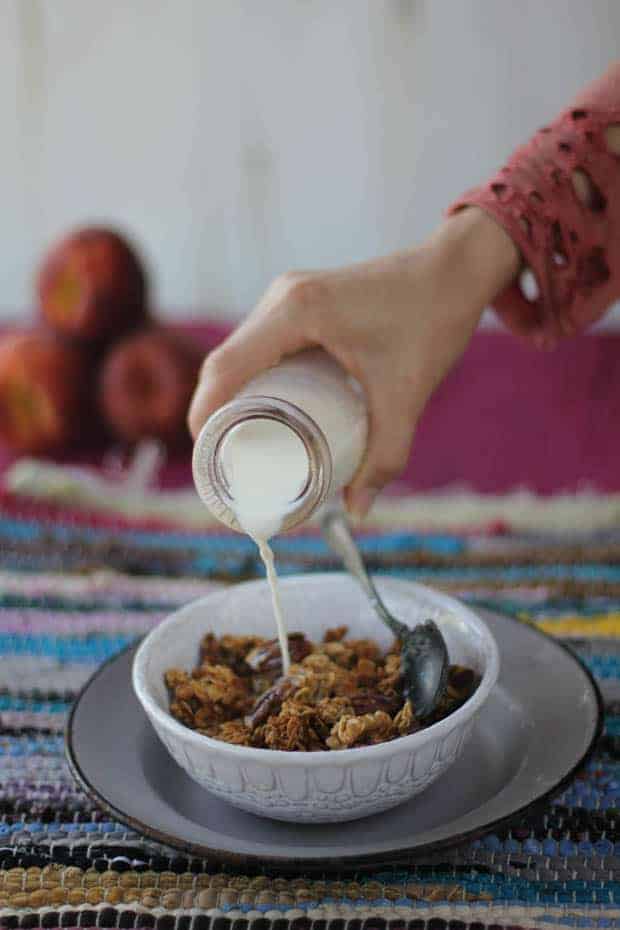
x: 323, y: 917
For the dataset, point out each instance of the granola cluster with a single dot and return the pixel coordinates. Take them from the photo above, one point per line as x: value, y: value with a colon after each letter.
x: 338, y: 693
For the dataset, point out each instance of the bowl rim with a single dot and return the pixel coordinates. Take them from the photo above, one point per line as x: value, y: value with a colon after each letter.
x: 299, y: 759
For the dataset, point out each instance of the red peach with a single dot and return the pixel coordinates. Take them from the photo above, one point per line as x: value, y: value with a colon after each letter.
x: 91, y: 286
x: 146, y: 384
x: 42, y: 392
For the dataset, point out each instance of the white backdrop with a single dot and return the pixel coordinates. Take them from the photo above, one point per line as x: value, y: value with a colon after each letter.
x: 236, y: 138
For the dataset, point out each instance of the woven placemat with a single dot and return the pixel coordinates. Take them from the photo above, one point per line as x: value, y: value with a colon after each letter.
x: 75, y: 589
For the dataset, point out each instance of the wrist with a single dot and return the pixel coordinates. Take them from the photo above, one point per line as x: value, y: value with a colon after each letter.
x: 478, y: 255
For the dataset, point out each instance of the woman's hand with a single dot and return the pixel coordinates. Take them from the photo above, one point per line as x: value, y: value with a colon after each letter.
x: 397, y: 324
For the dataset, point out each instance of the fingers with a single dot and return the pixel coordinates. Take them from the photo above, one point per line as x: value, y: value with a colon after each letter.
x: 272, y: 331
x: 297, y: 312
x: 392, y: 422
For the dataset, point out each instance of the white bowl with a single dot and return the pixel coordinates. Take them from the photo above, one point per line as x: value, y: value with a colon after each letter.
x: 314, y: 786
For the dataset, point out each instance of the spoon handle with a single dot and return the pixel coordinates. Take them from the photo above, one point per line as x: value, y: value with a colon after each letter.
x: 338, y: 535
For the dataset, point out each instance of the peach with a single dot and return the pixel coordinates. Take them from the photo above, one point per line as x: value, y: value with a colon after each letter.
x: 92, y: 287
x: 42, y: 392
x: 146, y: 384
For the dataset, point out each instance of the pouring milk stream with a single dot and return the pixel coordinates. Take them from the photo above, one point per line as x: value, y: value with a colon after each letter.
x: 266, y: 461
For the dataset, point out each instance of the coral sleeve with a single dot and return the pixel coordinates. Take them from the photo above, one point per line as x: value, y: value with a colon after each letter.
x: 558, y: 197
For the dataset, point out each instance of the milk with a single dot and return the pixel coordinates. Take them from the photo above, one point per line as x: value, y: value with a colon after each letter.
x: 319, y: 386
x: 266, y: 467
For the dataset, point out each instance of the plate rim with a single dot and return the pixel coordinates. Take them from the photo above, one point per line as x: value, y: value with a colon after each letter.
x: 341, y: 864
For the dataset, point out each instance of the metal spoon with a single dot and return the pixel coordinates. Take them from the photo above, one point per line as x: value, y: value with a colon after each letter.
x: 424, y: 653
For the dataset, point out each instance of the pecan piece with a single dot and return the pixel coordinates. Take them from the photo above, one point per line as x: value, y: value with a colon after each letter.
x: 210, y: 652
x: 367, y: 702
x: 270, y: 702
x: 267, y: 657
x: 461, y: 682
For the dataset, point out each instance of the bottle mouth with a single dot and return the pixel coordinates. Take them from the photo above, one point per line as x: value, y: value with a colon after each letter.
x: 208, y: 461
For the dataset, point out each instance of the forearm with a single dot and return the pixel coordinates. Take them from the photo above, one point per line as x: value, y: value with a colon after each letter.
x: 483, y: 259
x: 558, y: 199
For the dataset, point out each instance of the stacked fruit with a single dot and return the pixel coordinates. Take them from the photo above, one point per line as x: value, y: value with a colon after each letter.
x: 97, y: 363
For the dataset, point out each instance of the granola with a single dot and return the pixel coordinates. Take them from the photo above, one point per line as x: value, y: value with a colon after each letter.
x: 340, y: 693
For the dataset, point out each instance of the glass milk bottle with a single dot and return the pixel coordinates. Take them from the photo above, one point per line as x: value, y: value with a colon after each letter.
x: 299, y: 428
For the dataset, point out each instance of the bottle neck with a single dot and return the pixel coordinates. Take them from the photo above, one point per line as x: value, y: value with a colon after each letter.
x: 209, y: 465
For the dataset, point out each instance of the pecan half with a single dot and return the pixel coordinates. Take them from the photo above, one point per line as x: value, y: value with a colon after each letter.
x: 367, y: 702
x: 270, y: 702
x: 267, y: 657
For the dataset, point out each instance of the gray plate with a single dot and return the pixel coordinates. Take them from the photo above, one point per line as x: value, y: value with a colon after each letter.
x: 538, y: 726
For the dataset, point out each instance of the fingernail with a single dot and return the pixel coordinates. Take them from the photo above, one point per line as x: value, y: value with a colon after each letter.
x: 362, y: 501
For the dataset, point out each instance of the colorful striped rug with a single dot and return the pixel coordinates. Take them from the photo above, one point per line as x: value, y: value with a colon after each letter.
x: 76, y: 586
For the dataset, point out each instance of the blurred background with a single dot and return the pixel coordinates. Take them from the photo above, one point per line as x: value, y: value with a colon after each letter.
x: 236, y: 139
x: 232, y: 140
